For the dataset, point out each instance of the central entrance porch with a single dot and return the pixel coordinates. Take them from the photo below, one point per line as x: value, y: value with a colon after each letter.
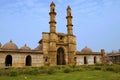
x: 60, y: 56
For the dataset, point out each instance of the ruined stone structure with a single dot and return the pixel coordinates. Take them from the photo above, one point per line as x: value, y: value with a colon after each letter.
x: 86, y: 56
x: 114, y: 57
x: 53, y: 49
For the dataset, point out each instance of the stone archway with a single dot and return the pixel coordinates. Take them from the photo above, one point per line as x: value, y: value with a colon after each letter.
x: 8, y: 60
x: 85, y: 60
x: 60, y: 56
x: 28, y: 60
x: 94, y: 59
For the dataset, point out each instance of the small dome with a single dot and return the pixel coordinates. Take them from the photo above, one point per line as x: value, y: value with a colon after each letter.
x: 25, y: 47
x: 86, y: 50
x: 39, y: 47
x: 10, y: 46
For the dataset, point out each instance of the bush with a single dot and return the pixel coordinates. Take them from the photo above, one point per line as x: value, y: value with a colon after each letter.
x: 67, y: 70
x: 97, y: 68
x: 116, y: 68
x: 58, y: 67
x: 72, y: 66
x: 13, y: 73
x: 43, y: 71
x: 1, y: 72
x: 110, y: 68
x: 51, y: 70
x: 103, y: 68
x: 118, y: 63
x: 33, y: 71
x: 78, y: 69
x: 99, y: 64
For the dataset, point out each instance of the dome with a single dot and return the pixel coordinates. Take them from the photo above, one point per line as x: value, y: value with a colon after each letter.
x: 10, y: 46
x: 86, y: 50
x: 39, y: 47
x: 25, y: 47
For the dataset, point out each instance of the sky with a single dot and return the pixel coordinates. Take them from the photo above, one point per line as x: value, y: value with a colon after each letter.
x: 96, y: 23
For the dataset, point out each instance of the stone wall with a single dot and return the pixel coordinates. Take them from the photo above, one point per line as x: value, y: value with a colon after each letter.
x: 90, y: 59
x: 19, y: 59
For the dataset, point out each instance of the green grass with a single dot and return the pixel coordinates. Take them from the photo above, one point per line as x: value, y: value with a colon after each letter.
x: 68, y: 72
x: 84, y: 75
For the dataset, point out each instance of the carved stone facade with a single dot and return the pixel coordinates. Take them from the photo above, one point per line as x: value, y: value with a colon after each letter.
x: 53, y: 49
x: 59, y: 47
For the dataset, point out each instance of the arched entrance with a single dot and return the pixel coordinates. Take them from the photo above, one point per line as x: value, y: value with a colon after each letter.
x: 60, y: 56
x: 8, y: 60
x: 94, y: 59
x: 85, y: 60
x: 28, y: 60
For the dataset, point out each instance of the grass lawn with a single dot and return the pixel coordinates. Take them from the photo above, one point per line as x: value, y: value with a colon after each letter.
x: 84, y: 75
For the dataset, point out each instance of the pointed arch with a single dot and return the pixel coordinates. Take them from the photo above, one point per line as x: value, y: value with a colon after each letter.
x: 28, y: 61
x: 85, y: 60
x: 60, y: 56
x: 95, y: 59
x: 8, y: 60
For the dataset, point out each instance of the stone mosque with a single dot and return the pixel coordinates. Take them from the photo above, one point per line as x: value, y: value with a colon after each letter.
x: 53, y: 49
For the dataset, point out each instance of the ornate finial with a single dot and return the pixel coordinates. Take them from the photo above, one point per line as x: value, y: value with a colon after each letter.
x: 25, y: 45
x: 11, y: 41
x: 52, y: 3
x: 68, y: 8
x: 68, y: 11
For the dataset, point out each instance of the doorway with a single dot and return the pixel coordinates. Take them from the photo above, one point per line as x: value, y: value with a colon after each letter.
x: 8, y: 60
x: 28, y: 60
x: 60, y: 56
x: 85, y: 60
x: 94, y: 59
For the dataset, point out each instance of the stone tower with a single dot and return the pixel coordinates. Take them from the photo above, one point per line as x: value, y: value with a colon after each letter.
x: 59, y: 48
x: 52, y: 22
x: 71, y: 37
x: 69, y: 21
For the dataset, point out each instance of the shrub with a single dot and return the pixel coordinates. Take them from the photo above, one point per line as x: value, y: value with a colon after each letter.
x: 67, y: 70
x: 2, y: 72
x: 110, y: 68
x: 116, y: 68
x: 118, y: 63
x: 43, y: 67
x: 42, y: 71
x: 13, y: 73
x: 33, y: 71
x: 72, y: 66
x: 78, y: 69
x: 103, y: 68
x: 99, y: 64
x: 51, y: 70
x: 97, y: 68
x: 58, y: 67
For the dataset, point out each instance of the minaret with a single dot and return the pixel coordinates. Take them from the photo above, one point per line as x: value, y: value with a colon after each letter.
x: 69, y: 21
x: 52, y: 35
x: 52, y: 22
